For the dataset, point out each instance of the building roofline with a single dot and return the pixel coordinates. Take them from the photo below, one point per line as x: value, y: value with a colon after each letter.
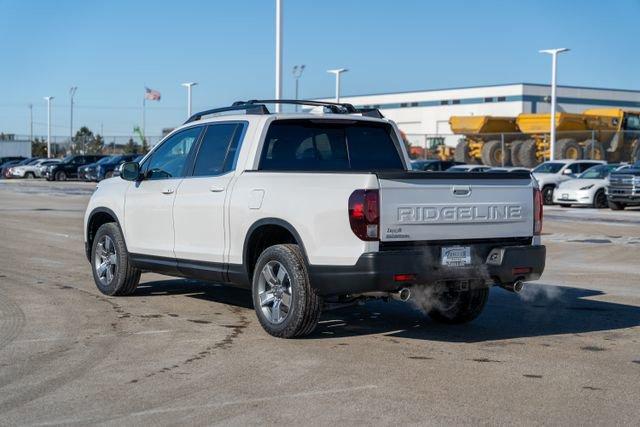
x: 482, y: 86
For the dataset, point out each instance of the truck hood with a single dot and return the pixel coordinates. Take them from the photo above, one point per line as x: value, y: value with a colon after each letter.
x: 635, y: 172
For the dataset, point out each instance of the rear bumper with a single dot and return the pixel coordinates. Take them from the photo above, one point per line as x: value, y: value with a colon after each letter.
x: 375, y: 271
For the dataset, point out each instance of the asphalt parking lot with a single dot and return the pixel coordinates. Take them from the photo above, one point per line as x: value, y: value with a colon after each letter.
x: 566, y: 351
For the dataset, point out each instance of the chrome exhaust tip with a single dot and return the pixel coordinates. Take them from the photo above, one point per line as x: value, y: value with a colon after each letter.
x: 402, y: 295
x: 516, y: 286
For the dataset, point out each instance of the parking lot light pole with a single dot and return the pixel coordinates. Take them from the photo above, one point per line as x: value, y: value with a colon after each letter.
x: 72, y: 93
x: 554, y: 61
x: 189, y: 85
x: 48, y: 99
x: 278, y: 54
x: 337, y: 72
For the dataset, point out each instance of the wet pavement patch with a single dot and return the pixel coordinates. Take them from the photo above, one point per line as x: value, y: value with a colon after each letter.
x: 593, y: 348
x: 531, y: 376
x: 590, y: 241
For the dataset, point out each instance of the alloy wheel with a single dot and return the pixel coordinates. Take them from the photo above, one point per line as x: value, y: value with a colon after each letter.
x: 105, y: 260
x: 274, y: 292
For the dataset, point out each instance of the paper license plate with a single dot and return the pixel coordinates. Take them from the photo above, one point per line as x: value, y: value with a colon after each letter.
x: 456, y: 256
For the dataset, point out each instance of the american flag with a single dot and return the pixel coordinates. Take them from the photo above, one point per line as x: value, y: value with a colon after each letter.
x: 152, y: 95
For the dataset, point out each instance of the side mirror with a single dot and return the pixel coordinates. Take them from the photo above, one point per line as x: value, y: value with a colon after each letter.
x: 130, y: 171
x: 567, y: 172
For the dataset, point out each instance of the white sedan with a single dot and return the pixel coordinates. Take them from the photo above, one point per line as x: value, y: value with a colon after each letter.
x: 587, y: 189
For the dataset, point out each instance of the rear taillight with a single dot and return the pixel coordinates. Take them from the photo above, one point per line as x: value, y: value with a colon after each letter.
x: 364, y: 214
x: 537, y: 212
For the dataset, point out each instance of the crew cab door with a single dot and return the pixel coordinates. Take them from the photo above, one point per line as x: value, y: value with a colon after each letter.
x: 200, y: 207
x: 149, y: 202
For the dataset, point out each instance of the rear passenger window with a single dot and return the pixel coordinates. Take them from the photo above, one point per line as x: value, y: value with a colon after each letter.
x: 217, y: 150
x: 308, y: 145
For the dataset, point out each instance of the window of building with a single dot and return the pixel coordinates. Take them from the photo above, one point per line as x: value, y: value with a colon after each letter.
x: 414, y: 104
x: 502, y: 98
x: 444, y: 102
x: 455, y: 101
x: 488, y: 99
x: 403, y: 104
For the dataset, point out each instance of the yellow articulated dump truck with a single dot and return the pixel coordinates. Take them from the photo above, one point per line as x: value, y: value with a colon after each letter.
x: 601, y: 134
x: 483, y: 139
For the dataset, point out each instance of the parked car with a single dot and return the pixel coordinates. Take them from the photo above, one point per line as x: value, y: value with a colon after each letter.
x: 588, y: 188
x: 433, y: 165
x: 307, y: 217
x: 40, y: 169
x: 5, y: 170
x: 550, y: 174
x: 68, y: 167
x: 31, y: 170
x: 88, y: 172
x: 624, y: 188
x: 468, y: 168
x: 7, y: 162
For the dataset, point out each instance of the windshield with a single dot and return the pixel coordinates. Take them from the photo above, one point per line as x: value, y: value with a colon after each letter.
x: 549, y: 167
x: 597, y: 172
x: 68, y: 158
x: 632, y: 122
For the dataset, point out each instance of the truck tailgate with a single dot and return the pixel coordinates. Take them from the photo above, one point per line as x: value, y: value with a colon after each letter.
x: 423, y: 206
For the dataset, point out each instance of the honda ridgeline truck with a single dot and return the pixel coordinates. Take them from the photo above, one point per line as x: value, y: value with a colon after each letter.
x: 312, y: 208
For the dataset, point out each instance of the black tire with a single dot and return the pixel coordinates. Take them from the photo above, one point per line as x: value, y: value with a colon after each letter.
x: 527, y: 154
x: 547, y: 194
x: 568, y: 149
x: 29, y: 175
x: 515, y: 152
x: 616, y: 206
x: 60, y: 176
x: 593, y: 150
x: 600, y: 200
x: 305, y: 306
x: 452, y: 307
x: 125, y: 277
x: 492, y: 154
x: 462, y: 153
x: 565, y: 206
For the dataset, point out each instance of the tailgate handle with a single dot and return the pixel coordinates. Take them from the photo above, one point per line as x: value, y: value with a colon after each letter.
x: 461, y: 190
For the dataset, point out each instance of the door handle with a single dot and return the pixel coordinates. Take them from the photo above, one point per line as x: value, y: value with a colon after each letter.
x: 167, y: 191
x: 216, y: 189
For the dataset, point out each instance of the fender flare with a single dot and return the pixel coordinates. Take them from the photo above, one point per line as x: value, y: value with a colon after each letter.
x: 271, y: 221
x: 93, y: 213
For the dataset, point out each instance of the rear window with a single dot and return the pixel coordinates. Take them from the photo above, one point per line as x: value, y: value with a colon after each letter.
x: 318, y: 145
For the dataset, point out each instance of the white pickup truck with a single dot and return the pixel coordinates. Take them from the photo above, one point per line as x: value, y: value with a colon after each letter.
x: 312, y: 208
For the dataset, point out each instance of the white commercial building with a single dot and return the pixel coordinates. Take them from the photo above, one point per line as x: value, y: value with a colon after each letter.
x: 422, y: 114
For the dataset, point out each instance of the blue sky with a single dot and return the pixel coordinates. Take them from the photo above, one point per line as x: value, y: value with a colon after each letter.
x: 112, y: 49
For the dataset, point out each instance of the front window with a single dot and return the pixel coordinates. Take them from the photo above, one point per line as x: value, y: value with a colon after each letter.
x: 169, y: 159
x: 548, y: 167
x: 632, y: 123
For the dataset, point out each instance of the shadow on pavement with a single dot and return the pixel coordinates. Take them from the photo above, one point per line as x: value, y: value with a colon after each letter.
x: 540, y: 310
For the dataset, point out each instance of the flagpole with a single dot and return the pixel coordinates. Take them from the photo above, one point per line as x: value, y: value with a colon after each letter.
x: 144, y: 104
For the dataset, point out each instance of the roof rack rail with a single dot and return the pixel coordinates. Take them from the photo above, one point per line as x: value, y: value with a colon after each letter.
x: 256, y: 106
x: 337, y: 108
x: 248, y: 108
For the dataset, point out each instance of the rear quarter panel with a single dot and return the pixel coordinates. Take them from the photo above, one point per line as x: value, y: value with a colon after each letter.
x: 315, y: 204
